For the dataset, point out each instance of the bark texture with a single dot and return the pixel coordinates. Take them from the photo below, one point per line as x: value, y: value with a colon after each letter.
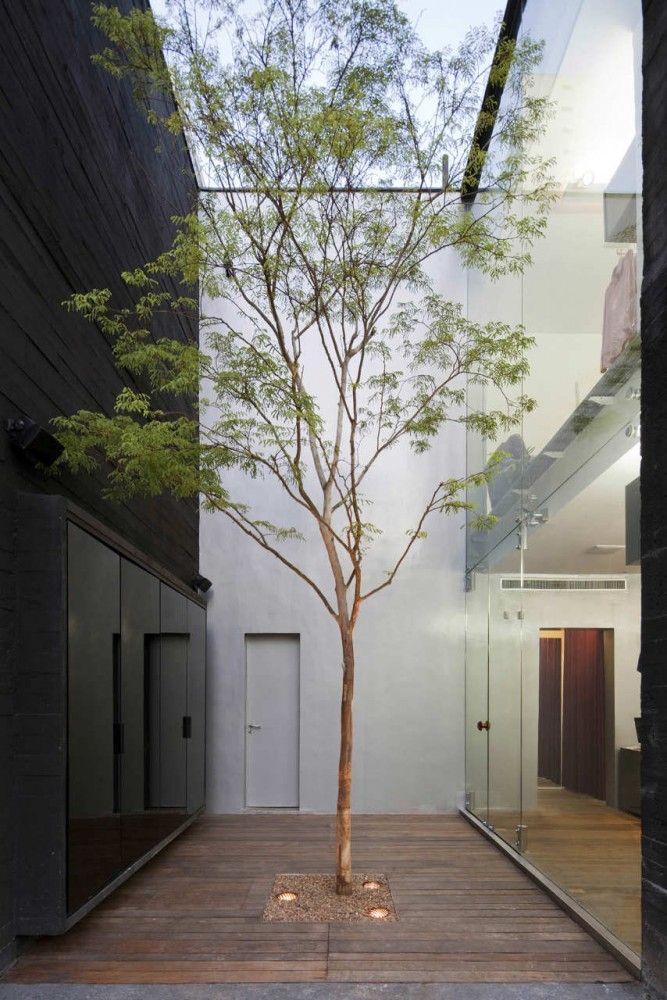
x: 343, y: 812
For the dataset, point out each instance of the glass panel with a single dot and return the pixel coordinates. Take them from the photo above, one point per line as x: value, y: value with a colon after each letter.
x: 477, y: 692
x: 566, y: 703
x: 581, y: 697
x: 494, y: 301
x: 93, y: 836
x: 505, y: 622
x: 581, y: 584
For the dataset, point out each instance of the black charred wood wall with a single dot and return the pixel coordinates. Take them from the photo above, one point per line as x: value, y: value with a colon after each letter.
x: 83, y: 196
x: 654, y: 502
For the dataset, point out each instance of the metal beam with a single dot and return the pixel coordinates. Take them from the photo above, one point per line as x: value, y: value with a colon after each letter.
x: 509, y: 31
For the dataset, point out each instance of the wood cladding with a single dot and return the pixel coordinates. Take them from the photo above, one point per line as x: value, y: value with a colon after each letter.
x: 193, y: 915
x: 83, y: 196
x: 653, y: 507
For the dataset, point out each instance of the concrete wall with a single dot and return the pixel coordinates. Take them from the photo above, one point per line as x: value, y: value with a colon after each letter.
x: 409, y: 752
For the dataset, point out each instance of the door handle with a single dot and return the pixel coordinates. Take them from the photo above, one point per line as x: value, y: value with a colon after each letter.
x: 483, y: 725
x: 252, y: 729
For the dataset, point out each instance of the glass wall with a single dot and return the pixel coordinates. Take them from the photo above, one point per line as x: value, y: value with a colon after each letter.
x: 553, y: 606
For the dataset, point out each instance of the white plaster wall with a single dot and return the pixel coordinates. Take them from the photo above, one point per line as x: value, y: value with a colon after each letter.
x: 409, y: 694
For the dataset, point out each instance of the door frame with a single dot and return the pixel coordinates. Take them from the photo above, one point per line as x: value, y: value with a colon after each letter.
x: 555, y: 632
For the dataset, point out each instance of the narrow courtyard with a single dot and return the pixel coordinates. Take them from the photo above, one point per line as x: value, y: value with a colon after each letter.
x: 193, y: 915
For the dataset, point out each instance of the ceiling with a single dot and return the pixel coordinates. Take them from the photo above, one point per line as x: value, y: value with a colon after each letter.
x: 595, y: 517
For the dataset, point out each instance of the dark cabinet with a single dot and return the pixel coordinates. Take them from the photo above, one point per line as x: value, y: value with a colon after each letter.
x: 125, y: 765
x: 140, y: 627
x: 93, y: 686
x: 196, y: 748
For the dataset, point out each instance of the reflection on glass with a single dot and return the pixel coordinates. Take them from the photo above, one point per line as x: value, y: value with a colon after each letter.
x: 580, y: 653
x: 477, y: 692
x: 93, y: 834
x: 563, y: 611
x: 140, y: 618
x: 166, y: 699
x: 136, y: 692
x: 505, y: 628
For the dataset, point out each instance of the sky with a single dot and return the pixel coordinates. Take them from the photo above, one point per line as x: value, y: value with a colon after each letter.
x: 441, y: 22
x: 445, y: 22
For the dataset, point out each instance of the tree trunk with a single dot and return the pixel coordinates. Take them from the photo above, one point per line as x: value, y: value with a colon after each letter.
x: 343, y: 813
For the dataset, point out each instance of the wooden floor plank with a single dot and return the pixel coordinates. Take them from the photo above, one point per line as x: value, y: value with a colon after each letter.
x: 193, y: 915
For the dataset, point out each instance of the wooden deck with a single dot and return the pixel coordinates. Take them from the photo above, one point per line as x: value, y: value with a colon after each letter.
x: 594, y: 853
x: 193, y: 915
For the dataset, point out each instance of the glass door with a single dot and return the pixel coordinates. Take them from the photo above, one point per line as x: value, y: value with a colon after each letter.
x: 477, y: 692
x: 505, y: 689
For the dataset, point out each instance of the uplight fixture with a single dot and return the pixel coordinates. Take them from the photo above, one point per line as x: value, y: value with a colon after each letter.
x: 378, y: 912
x: 287, y: 897
x: 371, y: 884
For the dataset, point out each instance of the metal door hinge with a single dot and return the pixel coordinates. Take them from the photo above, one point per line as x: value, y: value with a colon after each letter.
x: 521, y: 838
x: 187, y: 727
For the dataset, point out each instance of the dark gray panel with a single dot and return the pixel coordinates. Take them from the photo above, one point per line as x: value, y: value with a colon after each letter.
x: 40, y: 737
x: 94, y: 632
x: 653, y: 518
x: 166, y: 700
x: 173, y: 610
x: 153, y: 724
x: 39, y: 814
x: 140, y: 620
x: 196, y: 744
x: 173, y: 704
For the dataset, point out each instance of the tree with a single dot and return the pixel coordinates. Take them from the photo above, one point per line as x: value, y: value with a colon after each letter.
x: 320, y: 266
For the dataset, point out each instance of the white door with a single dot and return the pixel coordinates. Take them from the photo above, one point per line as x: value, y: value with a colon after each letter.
x: 272, y: 721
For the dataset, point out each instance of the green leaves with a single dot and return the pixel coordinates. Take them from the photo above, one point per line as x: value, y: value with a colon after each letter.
x: 138, y: 41
x: 146, y: 455
x: 324, y: 345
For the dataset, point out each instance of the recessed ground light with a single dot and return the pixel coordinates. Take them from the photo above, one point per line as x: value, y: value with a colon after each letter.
x: 287, y: 897
x: 371, y: 884
x: 378, y: 912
